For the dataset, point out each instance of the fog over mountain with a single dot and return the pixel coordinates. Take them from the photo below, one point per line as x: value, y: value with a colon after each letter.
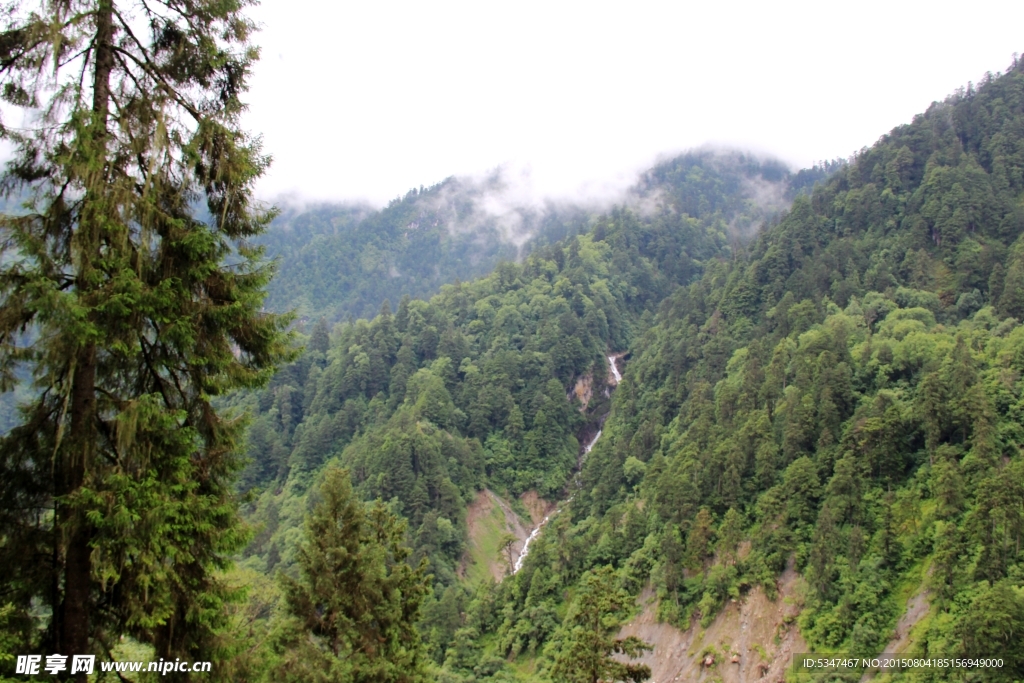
x: 340, y: 260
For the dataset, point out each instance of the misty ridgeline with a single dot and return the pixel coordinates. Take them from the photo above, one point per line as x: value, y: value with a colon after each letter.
x: 732, y: 414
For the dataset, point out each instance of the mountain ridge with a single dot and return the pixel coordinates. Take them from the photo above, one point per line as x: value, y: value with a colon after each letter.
x: 821, y: 399
x: 343, y: 260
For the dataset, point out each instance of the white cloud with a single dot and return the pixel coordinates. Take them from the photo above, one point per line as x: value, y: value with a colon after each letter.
x: 365, y: 100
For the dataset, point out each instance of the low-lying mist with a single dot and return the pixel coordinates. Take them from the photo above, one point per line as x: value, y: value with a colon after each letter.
x: 340, y: 260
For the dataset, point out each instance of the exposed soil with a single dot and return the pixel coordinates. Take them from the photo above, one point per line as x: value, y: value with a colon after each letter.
x: 918, y: 606
x: 584, y: 391
x: 484, y: 533
x: 753, y: 638
x: 512, y: 521
x: 538, y: 507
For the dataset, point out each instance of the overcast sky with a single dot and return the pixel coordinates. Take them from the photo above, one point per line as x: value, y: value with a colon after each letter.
x: 364, y: 100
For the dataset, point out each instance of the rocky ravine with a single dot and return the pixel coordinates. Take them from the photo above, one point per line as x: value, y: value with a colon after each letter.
x: 752, y: 639
x: 489, y: 517
x: 613, y: 380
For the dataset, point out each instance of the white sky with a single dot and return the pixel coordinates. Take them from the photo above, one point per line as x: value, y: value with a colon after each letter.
x: 365, y: 100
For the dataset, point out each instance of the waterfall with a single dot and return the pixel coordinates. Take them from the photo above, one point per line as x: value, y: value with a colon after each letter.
x: 586, y: 449
x: 536, y: 532
x: 615, y: 370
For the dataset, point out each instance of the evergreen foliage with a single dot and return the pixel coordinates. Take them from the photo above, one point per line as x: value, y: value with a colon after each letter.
x: 343, y: 262
x: 118, y: 510
x: 430, y: 402
x: 842, y: 397
x: 835, y: 389
x: 586, y: 641
x: 353, y: 612
x: 839, y: 398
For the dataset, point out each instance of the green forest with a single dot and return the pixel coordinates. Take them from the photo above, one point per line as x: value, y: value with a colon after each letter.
x: 301, y: 445
x: 836, y: 393
x: 341, y: 262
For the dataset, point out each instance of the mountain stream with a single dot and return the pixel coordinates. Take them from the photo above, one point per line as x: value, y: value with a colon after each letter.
x: 576, y: 481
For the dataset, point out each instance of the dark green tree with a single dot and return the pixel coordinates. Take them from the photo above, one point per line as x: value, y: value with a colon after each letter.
x: 319, y: 339
x: 586, y: 642
x: 699, y: 540
x: 132, y: 307
x: 993, y: 625
x: 352, y: 613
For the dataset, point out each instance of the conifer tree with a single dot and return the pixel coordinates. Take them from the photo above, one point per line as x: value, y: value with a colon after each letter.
x: 507, y: 551
x: 353, y: 611
x: 699, y: 540
x: 586, y: 643
x: 129, y: 289
x: 320, y: 340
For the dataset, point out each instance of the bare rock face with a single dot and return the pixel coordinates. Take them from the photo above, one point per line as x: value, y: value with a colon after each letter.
x: 538, y: 507
x: 584, y: 390
x: 755, y: 634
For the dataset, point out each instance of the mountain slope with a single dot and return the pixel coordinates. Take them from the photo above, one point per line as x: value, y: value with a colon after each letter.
x: 432, y: 402
x: 844, y: 395
x: 342, y: 261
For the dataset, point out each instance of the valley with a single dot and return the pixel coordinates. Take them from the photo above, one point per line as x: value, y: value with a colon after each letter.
x: 735, y: 413
x: 782, y: 453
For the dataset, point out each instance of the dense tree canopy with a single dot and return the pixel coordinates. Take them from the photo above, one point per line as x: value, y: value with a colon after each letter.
x: 586, y: 643
x: 823, y: 371
x: 344, y: 261
x: 839, y: 395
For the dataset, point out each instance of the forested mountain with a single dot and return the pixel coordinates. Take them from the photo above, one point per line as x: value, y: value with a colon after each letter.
x: 495, y: 356
x: 344, y: 261
x: 339, y: 261
x: 430, y: 402
x: 844, y: 395
x: 839, y: 394
x: 738, y: 385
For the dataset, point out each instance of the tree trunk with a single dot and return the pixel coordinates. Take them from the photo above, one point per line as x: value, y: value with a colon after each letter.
x: 77, y: 455
x: 74, y: 621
